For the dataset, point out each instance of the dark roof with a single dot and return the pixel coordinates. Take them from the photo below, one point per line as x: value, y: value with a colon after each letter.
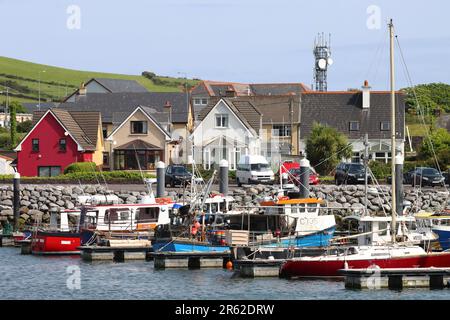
x: 337, y: 109
x: 138, y: 144
x: 243, y: 108
x: 33, y: 106
x: 217, y: 89
x: 267, y: 89
x: 276, y: 109
x: 120, y: 85
x: 113, y: 105
x: 83, y: 126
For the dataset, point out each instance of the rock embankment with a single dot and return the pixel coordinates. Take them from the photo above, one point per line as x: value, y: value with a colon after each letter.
x: 37, y: 202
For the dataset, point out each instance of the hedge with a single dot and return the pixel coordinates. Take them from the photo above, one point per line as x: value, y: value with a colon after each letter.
x: 81, y: 167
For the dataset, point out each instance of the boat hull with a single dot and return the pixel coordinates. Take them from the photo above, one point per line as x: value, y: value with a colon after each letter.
x: 318, y: 239
x: 55, y: 243
x: 327, y: 268
x: 444, y: 238
x: 187, y: 246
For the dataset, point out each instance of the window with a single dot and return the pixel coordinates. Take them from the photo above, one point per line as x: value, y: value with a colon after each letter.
x: 354, y: 126
x: 385, y: 126
x: 138, y: 127
x: 221, y: 121
x: 35, y: 144
x: 281, y: 130
x: 62, y: 145
x: 49, y: 171
x: 105, y: 131
x: 204, y: 101
x: 105, y: 158
x: 147, y: 214
x: 197, y: 101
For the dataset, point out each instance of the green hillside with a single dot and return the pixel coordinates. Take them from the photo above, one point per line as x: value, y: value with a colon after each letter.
x: 23, y: 78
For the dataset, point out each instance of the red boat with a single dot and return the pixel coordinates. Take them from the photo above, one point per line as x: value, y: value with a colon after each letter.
x: 394, y: 256
x: 57, y: 238
x: 55, y: 242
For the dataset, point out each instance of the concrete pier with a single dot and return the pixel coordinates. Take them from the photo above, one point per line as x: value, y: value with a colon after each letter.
x: 259, y: 267
x: 396, y: 279
x: 190, y: 260
x: 121, y: 254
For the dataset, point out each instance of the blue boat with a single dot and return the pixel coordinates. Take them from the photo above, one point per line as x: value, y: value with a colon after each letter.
x: 187, y: 245
x: 444, y: 236
x: 318, y: 239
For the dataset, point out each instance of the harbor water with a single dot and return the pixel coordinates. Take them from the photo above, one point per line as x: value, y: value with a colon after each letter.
x: 39, y: 277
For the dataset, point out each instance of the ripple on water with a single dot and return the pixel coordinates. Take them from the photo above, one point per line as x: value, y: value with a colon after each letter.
x: 36, y: 277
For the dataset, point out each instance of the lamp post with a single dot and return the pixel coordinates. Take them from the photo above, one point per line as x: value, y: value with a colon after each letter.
x: 39, y: 104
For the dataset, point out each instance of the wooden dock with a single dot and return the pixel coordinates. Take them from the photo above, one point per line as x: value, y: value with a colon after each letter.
x: 117, y: 254
x: 396, y: 279
x: 190, y: 260
x: 258, y: 267
x: 6, y: 240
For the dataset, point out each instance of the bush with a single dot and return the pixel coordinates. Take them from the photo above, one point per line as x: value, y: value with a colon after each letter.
x: 81, y: 167
x: 380, y: 170
x: 24, y: 126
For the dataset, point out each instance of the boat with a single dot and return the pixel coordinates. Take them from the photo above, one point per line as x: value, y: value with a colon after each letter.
x: 439, y: 222
x: 56, y: 239
x: 391, y: 255
x: 362, y: 257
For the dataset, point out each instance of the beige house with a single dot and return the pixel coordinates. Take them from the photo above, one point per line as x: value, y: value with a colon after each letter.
x: 138, y: 142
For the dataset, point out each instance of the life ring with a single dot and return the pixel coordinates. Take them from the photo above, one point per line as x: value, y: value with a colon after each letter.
x: 283, y: 198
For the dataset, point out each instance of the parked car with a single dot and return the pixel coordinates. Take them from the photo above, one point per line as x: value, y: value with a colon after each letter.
x: 407, y: 177
x: 350, y: 173
x: 177, y: 175
x: 447, y: 177
x: 424, y: 176
x: 294, y: 176
x: 254, y: 169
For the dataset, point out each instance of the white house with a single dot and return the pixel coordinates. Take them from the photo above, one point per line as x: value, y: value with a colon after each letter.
x: 5, y: 165
x: 228, y: 128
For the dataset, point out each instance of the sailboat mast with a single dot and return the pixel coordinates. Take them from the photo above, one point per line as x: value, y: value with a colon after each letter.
x: 393, y: 146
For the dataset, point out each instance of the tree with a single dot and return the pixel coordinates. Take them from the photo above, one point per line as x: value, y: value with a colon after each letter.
x: 325, y: 148
x: 439, y: 142
x: 13, y: 123
x: 432, y: 97
x: 24, y: 126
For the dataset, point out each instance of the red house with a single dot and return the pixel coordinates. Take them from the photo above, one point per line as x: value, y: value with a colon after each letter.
x: 59, y: 138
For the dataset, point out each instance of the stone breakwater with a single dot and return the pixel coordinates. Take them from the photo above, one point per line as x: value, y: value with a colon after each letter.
x: 37, y: 202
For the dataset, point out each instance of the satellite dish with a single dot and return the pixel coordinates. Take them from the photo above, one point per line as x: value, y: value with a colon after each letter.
x: 330, y: 61
x: 322, y: 63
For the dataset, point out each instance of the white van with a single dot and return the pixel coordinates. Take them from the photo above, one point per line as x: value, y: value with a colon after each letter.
x: 254, y: 169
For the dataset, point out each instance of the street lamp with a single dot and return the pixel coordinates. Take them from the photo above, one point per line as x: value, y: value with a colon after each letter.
x: 39, y: 104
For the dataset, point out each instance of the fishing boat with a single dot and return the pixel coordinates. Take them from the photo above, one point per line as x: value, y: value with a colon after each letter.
x: 392, y: 255
x: 57, y: 238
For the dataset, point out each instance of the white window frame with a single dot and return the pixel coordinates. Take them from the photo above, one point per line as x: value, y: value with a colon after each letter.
x: 222, y: 117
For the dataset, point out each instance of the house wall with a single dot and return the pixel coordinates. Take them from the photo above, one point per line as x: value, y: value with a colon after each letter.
x: 206, y: 131
x: 97, y: 156
x: 5, y: 167
x: 49, y: 132
x: 153, y: 136
x: 5, y: 120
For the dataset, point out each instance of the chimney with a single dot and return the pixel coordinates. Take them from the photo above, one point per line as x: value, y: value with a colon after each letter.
x: 230, y: 92
x: 366, y: 95
x: 82, y: 91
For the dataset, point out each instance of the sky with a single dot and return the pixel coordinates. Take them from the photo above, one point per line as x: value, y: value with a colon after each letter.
x: 235, y: 40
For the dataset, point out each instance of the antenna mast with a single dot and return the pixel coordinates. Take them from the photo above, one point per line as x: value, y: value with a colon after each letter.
x: 322, y: 56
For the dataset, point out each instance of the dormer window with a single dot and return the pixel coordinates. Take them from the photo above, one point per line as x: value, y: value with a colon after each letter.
x: 354, y: 126
x: 221, y: 121
x: 138, y: 127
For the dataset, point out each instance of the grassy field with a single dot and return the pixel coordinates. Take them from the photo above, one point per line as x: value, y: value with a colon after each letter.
x: 56, y: 82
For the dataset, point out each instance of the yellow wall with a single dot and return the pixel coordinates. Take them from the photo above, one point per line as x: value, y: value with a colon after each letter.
x: 267, y: 136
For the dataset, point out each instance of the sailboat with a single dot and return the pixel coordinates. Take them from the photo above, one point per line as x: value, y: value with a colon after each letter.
x: 391, y: 255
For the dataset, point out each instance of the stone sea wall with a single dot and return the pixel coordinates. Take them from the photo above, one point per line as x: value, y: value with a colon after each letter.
x: 38, y: 201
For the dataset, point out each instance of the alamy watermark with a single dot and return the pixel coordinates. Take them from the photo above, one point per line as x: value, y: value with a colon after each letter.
x: 74, y: 19
x: 73, y: 282
x: 373, y: 21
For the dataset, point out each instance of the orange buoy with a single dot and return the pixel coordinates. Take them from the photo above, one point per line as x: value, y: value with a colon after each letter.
x: 229, y: 265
